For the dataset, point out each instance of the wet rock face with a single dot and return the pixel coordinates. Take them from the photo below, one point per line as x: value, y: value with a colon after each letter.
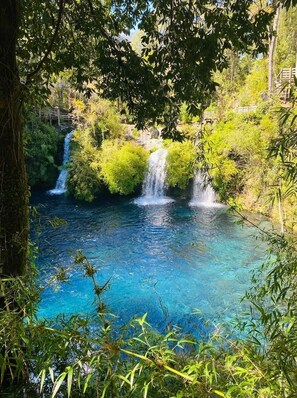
x: 154, y: 133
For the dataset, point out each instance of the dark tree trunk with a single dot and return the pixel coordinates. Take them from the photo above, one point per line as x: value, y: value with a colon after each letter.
x: 13, y: 182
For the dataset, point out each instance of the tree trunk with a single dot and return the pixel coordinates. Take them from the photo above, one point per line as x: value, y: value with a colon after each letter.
x: 13, y: 182
x: 272, y: 46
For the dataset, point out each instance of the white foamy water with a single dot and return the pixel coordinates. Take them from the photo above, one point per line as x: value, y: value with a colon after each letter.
x: 60, y: 186
x: 203, y: 192
x: 153, y: 190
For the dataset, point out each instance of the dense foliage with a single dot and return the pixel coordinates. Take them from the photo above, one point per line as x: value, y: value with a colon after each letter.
x: 285, y: 56
x: 42, y: 145
x: 273, y: 299
x: 102, y: 157
x: 254, y: 90
x: 235, y: 150
x: 181, y: 161
x: 181, y: 46
x: 238, y: 148
x: 123, y: 168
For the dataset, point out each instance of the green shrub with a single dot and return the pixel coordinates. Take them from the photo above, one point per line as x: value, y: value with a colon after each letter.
x: 235, y: 152
x: 100, y: 118
x: 184, y: 116
x: 101, y: 157
x: 123, y: 167
x: 181, y: 161
x: 84, y: 180
x: 256, y: 84
x: 41, y: 143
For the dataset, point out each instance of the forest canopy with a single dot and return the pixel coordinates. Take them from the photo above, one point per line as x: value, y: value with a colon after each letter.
x: 182, y: 45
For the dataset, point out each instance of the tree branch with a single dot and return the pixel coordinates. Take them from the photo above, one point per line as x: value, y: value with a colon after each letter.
x: 105, y: 34
x: 114, y: 44
x: 50, y: 46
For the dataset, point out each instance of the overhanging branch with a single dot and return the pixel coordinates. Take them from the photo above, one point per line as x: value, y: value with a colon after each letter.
x: 50, y: 46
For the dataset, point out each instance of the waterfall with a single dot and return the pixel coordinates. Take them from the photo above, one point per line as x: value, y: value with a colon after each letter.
x: 60, y: 186
x: 154, y: 184
x: 203, y: 193
x: 155, y: 179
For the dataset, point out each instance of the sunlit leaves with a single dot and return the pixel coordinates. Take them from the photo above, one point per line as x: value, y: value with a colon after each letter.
x: 183, y: 44
x: 274, y: 306
x: 123, y: 168
x: 181, y: 161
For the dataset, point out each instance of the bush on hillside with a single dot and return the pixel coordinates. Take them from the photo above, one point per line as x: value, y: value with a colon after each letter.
x: 181, y: 162
x: 123, y: 167
x: 41, y: 143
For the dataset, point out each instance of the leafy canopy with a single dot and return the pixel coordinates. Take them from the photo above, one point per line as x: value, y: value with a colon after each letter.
x: 183, y: 43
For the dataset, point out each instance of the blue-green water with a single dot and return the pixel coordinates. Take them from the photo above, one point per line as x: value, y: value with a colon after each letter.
x: 166, y: 260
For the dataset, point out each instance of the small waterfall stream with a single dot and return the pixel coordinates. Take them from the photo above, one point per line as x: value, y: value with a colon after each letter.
x: 203, y: 193
x: 153, y: 190
x: 60, y: 186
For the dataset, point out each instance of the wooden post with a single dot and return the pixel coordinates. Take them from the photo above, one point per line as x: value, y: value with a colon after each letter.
x: 59, y: 116
x: 280, y: 213
x: 69, y: 98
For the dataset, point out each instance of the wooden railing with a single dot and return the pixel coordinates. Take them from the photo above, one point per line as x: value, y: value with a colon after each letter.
x: 287, y: 75
x: 55, y: 115
x: 284, y: 81
x: 211, y: 117
x: 246, y: 109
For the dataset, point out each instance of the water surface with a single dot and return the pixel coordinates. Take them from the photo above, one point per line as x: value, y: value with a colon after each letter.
x: 166, y: 260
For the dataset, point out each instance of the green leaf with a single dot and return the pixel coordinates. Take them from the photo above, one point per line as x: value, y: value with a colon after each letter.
x: 42, y: 375
x: 69, y: 380
x: 145, y: 390
x: 58, y: 383
x: 51, y: 372
x: 88, y: 378
x: 124, y: 379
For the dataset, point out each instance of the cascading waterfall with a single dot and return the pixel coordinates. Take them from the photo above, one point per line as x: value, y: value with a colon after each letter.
x: 154, y: 185
x: 60, y: 186
x: 155, y: 179
x: 203, y: 193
